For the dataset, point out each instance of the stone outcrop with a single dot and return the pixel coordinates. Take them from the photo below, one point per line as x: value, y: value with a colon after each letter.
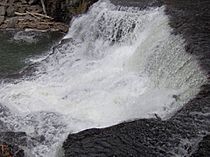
x: 2, y: 11
x: 64, y: 10
x: 11, y: 143
x: 22, y: 14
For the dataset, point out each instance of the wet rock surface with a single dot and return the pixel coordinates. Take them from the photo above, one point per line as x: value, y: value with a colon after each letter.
x: 143, y: 4
x: 180, y: 135
x: 20, y: 144
x: 63, y: 11
x: 203, y: 147
x: 12, y: 143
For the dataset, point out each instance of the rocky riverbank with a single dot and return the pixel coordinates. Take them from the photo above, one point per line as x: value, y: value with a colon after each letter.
x: 55, y: 15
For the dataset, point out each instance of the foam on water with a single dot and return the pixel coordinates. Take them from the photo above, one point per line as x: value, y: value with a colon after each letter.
x: 117, y: 64
x: 29, y: 37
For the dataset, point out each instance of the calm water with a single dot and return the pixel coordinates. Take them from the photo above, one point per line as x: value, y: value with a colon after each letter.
x: 16, y: 47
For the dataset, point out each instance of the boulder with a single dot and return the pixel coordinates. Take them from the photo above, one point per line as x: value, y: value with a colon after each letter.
x: 11, y: 22
x: 10, y: 143
x: 10, y: 11
x: 1, y: 19
x: 11, y: 2
x: 21, y: 9
x: 2, y: 11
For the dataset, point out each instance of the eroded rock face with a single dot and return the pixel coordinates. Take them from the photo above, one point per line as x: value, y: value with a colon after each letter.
x: 180, y: 134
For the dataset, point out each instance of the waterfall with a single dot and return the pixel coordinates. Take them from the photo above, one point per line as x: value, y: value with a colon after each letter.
x: 115, y: 64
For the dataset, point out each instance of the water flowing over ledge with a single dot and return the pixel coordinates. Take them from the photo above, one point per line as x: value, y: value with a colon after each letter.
x: 117, y: 64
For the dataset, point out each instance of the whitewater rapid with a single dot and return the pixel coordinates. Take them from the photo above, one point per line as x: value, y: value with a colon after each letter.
x: 116, y: 64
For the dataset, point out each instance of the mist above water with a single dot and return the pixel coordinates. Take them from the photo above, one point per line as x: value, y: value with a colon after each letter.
x: 116, y: 64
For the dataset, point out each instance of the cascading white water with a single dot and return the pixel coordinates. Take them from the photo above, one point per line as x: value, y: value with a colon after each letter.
x: 118, y: 64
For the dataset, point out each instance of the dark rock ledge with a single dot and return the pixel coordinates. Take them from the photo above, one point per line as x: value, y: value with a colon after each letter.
x: 11, y: 144
x: 203, y: 147
x: 29, y: 14
x: 184, y: 134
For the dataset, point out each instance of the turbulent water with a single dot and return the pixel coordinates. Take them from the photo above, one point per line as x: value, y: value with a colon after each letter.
x: 115, y: 64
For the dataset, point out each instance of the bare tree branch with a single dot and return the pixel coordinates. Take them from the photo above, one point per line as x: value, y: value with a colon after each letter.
x: 43, y: 7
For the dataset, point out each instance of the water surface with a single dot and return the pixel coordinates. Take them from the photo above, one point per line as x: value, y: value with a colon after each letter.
x: 17, y: 47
